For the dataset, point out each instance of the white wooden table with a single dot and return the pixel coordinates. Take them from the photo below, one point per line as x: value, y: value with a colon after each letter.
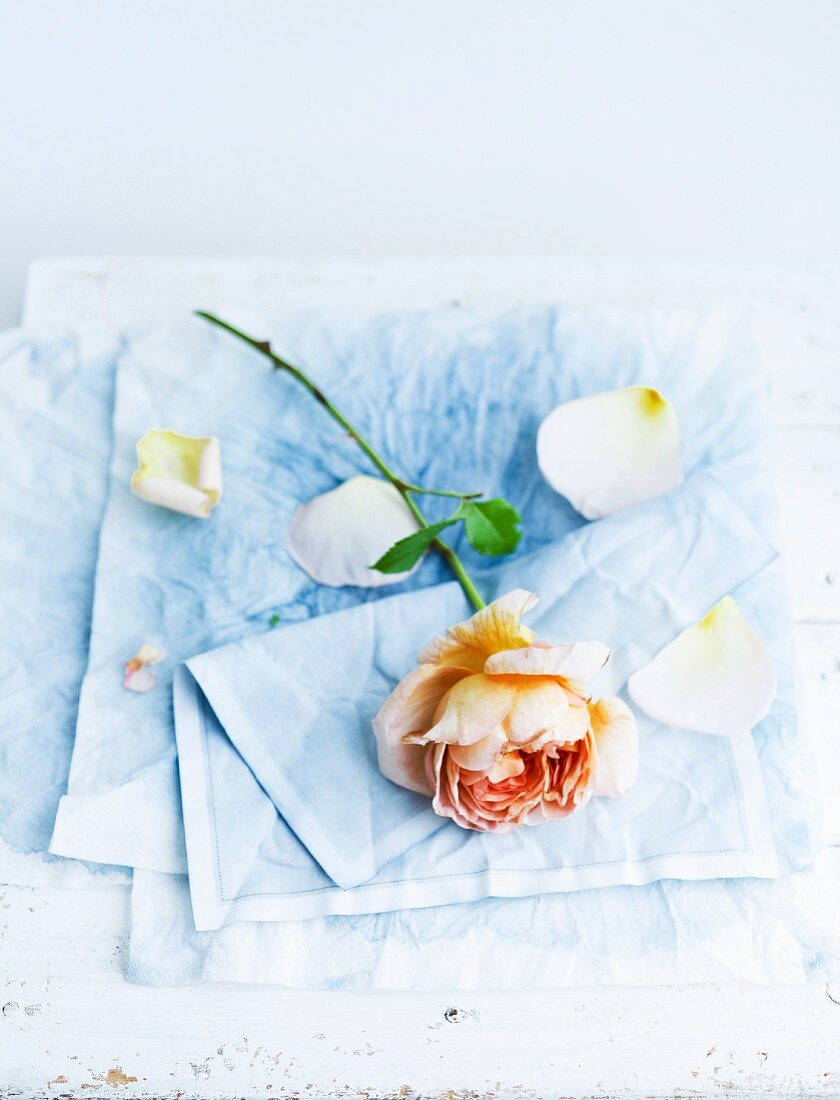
x: 71, y: 1026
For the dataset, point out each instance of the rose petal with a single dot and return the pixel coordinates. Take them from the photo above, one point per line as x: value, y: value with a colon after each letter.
x: 179, y: 472
x: 715, y: 677
x: 573, y: 727
x: 139, y: 679
x: 507, y: 766
x: 147, y: 654
x: 445, y: 800
x: 493, y: 629
x: 612, y: 450
x: 569, y: 662
x: 482, y: 755
x: 337, y: 536
x: 408, y: 709
x: 617, y: 742
x: 537, y: 707
x: 472, y: 710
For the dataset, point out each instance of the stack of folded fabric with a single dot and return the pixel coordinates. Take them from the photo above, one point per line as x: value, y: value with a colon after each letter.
x: 243, y: 789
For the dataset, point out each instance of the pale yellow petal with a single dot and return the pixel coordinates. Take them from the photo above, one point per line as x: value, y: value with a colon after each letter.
x: 715, y: 677
x: 179, y: 472
x: 617, y: 743
x: 611, y: 450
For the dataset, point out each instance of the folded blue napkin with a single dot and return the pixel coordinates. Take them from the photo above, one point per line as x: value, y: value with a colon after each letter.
x: 55, y: 423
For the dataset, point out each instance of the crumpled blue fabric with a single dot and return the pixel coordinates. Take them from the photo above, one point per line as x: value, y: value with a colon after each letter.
x: 55, y: 424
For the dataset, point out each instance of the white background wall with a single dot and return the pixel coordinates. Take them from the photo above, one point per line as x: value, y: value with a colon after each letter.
x: 584, y: 127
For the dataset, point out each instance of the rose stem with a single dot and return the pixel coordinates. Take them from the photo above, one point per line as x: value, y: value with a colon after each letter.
x: 402, y: 487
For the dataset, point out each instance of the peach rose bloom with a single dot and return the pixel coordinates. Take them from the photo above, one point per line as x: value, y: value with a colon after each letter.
x: 497, y: 728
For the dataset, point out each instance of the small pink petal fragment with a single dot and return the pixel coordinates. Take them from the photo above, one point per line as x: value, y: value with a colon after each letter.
x: 138, y: 676
x: 141, y: 679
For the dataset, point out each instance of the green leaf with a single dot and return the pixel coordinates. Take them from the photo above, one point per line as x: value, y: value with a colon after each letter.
x: 492, y: 526
x: 405, y: 553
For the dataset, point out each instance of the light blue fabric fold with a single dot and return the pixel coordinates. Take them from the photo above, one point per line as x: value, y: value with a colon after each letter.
x: 55, y: 426
x: 297, y: 706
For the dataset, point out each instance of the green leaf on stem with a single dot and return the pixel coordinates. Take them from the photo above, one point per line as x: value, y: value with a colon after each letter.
x: 492, y: 526
x: 404, y: 554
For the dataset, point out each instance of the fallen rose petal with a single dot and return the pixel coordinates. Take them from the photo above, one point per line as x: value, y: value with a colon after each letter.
x: 179, y: 472
x: 715, y: 677
x: 141, y: 679
x: 338, y: 535
x: 138, y: 675
x: 147, y: 654
x: 617, y: 742
x: 606, y: 452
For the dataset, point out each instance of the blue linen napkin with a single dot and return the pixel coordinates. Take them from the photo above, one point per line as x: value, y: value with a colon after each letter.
x: 296, y: 708
x: 55, y: 424
x: 450, y: 397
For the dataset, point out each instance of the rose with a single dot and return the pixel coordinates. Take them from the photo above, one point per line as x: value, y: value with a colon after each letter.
x: 495, y: 726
